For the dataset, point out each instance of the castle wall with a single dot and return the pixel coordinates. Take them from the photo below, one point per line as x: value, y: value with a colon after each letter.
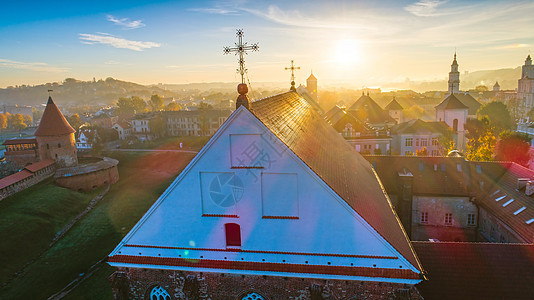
x: 136, y: 283
x: 60, y: 148
x: 27, y: 182
x: 91, y: 180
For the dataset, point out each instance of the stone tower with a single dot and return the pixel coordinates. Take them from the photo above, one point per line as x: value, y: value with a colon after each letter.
x: 394, y: 110
x: 55, y: 137
x: 525, y: 87
x: 454, y: 78
x: 311, y: 86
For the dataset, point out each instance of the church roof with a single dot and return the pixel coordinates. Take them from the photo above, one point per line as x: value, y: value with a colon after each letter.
x: 472, y: 104
x: 496, y: 84
x: 393, y: 105
x: 476, y: 270
x: 341, y: 167
x: 451, y: 102
x: 311, y: 77
x: 368, y: 110
x: 53, y: 122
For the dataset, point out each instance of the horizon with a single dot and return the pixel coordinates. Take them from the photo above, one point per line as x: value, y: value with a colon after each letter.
x: 354, y: 44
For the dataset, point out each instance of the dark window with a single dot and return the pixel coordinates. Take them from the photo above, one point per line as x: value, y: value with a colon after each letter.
x: 47, y: 146
x: 59, y: 145
x: 471, y: 219
x: 233, y: 234
x: 455, y: 125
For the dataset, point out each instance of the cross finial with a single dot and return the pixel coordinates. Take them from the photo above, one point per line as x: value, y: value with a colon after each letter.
x: 241, y: 49
x: 292, y: 68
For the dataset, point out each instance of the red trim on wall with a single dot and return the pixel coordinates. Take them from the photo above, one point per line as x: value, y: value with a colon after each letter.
x: 265, y: 267
x: 220, y: 216
x: 280, y: 217
x: 265, y: 252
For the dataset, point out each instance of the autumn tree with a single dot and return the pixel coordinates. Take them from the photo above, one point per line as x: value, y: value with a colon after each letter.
x: 157, y: 126
x: 17, y: 122
x: 482, y: 147
x: 513, y: 146
x: 130, y: 106
x: 421, y: 152
x: 75, y: 121
x: 3, y: 121
x: 498, y: 116
x: 173, y: 106
x: 27, y: 119
x: 414, y: 112
x: 156, y: 102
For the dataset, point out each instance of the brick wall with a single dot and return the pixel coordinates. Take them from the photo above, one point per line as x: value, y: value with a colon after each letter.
x: 37, y: 177
x: 88, y: 181
x: 60, y: 148
x: 132, y: 283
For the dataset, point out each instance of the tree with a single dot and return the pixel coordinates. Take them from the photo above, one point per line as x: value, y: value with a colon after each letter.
x: 481, y: 88
x: 157, y: 126
x: 498, y: 115
x: 204, y: 106
x: 27, y: 119
x: 414, y: 112
x: 422, y: 152
x: 173, y: 106
x: 139, y: 105
x: 513, y: 146
x: 3, y: 121
x: 75, y: 121
x: 125, y: 106
x: 17, y: 122
x: 156, y: 102
x: 481, y: 148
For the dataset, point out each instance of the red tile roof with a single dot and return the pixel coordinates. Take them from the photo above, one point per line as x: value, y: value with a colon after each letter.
x: 12, y: 179
x: 451, y: 102
x: 476, y: 270
x: 39, y: 165
x: 319, y: 146
x: 366, y: 109
x: 20, y: 141
x: 265, y: 267
x: 53, y: 122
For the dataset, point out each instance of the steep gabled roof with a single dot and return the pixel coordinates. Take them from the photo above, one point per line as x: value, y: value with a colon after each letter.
x: 366, y: 109
x: 472, y: 104
x: 319, y: 146
x: 476, y: 270
x: 53, y: 122
x: 311, y: 77
x: 451, y: 102
x: 393, y: 105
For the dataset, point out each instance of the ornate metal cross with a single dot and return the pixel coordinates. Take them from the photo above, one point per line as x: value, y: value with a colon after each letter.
x: 292, y: 68
x: 241, y: 49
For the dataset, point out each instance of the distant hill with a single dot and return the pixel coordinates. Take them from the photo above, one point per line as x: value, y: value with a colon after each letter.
x: 507, y: 79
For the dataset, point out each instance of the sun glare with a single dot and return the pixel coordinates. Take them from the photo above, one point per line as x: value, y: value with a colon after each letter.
x: 347, y: 52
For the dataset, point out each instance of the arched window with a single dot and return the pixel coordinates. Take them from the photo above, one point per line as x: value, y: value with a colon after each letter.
x: 253, y: 296
x: 455, y: 125
x: 348, y: 131
x: 233, y: 234
x: 159, y: 293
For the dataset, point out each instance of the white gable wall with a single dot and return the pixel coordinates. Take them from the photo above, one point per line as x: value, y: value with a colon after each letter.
x: 303, y: 214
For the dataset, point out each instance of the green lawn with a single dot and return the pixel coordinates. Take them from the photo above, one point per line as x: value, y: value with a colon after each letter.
x: 143, y: 177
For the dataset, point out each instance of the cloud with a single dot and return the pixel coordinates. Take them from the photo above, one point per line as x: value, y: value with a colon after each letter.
x: 32, y: 66
x: 107, y: 39
x: 513, y: 46
x: 424, y: 8
x: 215, y: 10
x: 292, y: 18
x: 126, y: 23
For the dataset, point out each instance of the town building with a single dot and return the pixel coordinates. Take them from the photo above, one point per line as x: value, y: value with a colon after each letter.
x: 201, y: 122
x: 418, y: 137
x: 123, y: 128
x: 276, y: 206
x: 454, y: 78
x: 86, y: 138
x: 21, y: 151
x: 525, y: 87
x: 454, y: 113
x: 141, y: 126
x: 368, y: 111
x: 394, y: 110
x: 311, y: 86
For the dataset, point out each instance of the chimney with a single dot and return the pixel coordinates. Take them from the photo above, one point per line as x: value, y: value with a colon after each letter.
x: 242, y: 99
x: 522, y: 183
x: 530, y: 188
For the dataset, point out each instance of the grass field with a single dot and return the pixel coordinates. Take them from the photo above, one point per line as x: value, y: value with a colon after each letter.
x: 143, y: 177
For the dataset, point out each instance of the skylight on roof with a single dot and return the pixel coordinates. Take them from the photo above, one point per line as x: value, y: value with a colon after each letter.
x: 520, y: 210
x: 496, y: 192
x: 500, y: 198
x: 530, y: 221
x: 508, y: 202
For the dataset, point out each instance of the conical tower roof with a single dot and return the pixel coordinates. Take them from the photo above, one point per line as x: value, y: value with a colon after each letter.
x: 53, y: 122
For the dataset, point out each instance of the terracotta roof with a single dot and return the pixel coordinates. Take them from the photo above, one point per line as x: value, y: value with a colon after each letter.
x: 20, y: 141
x: 506, y: 186
x: 265, y: 267
x: 420, y: 126
x: 39, y: 165
x: 123, y: 124
x: 393, y: 105
x: 53, y: 122
x: 11, y: 179
x: 367, y: 110
x: 476, y: 270
x: 451, y: 102
x: 319, y: 146
x: 431, y: 175
x: 472, y: 104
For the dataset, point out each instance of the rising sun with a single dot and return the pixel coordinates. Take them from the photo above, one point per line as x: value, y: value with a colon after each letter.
x: 347, y: 52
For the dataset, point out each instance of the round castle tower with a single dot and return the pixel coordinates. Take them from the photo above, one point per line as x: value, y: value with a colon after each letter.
x: 55, y: 137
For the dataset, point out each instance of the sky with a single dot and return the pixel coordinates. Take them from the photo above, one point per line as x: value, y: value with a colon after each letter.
x: 350, y: 43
